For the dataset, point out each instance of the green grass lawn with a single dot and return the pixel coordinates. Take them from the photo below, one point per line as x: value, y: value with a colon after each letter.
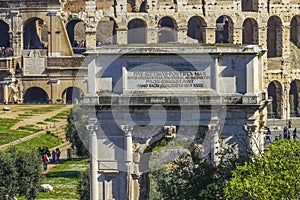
x: 64, y: 178
x: 56, y: 118
x: 46, y: 140
x: 30, y: 111
x: 7, y: 135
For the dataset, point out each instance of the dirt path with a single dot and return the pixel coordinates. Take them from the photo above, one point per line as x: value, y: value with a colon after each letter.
x: 63, y: 157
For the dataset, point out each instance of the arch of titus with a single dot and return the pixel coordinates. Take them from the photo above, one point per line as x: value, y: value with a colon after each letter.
x: 203, y: 97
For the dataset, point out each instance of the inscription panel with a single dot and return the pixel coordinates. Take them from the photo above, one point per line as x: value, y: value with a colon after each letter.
x: 34, y: 64
x: 168, y: 79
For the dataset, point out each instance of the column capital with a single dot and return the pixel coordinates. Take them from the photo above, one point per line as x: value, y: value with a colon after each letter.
x: 214, y: 127
x: 127, y: 129
x: 92, y: 125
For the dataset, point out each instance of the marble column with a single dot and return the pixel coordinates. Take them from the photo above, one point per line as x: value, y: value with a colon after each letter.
x: 214, y: 130
x: 93, y: 128
x: 130, y: 191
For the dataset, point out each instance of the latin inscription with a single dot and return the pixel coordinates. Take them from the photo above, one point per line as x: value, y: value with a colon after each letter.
x: 168, y: 79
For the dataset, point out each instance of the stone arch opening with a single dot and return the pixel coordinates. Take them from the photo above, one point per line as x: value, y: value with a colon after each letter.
x: 294, y: 98
x: 295, y: 30
x: 167, y: 30
x: 274, y: 37
x: 36, y: 95
x: 197, y: 29
x: 4, y: 34
x: 106, y: 32
x: 250, y: 5
x: 275, y: 91
x: 137, y: 31
x: 72, y: 95
x: 76, y: 33
x: 35, y: 34
x: 224, y: 30
x: 250, y: 31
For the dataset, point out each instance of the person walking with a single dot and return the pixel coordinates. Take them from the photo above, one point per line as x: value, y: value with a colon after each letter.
x: 57, y: 154
x: 268, y: 136
x: 285, y: 133
x: 295, y: 134
x: 45, y: 161
x: 54, y: 157
x: 290, y: 123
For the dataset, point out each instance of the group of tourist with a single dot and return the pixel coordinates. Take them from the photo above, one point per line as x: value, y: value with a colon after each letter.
x: 6, y: 51
x: 79, y: 44
x: 286, y: 134
x: 47, y: 157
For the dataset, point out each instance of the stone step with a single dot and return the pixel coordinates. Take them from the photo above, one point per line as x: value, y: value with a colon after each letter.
x: 62, y: 146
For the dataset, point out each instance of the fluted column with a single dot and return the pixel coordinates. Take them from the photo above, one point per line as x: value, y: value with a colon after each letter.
x: 128, y: 154
x: 215, y: 142
x: 93, y: 128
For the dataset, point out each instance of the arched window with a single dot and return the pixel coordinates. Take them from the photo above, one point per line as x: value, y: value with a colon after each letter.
x: 224, y: 30
x: 167, y: 30
x: 76, y: 33
x: 250, y: 5
x: 275, y: 92
x: 250, y: 31
x: 106, y: 32
x: 137, y: 31
x: 35, y: 34
x: 4, y: 35
x: 274, y: 40
x: 294, y: 98
x: 295, y: 30
x: 197, y: 29
x: 72, y: 95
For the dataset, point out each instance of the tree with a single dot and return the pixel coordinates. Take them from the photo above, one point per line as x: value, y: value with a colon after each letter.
x: 28, y: 167
x: 76, y: 130
x: 275, y: 175
x: 192, y: 178
x: 8, y: 175
x: 84, y: 185
x: 20, y: 173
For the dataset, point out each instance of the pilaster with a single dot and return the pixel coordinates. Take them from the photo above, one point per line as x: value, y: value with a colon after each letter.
x: 122, y: 36
x: 181, y: 35
x: 211, y: 35
x: 152, y: 35
x: 238, y: 35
